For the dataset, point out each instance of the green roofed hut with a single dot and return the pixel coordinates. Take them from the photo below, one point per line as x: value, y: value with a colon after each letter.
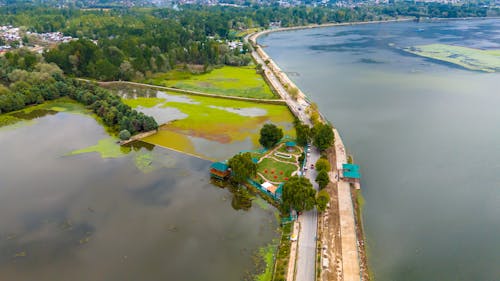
x: 290, y: 146
x: 350, y: 173
x: 220, y: 170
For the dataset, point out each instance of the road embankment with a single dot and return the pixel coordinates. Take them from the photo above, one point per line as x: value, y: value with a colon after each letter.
x: 347, y: 264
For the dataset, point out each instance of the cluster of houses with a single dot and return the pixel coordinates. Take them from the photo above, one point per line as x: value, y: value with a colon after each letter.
x: 11, y: 37
x: 52, y: 37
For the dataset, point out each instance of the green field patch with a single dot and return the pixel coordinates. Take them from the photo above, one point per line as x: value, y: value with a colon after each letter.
x: 107, y: 148
x: 144, y: 102
x: 469, y: 58
x: 276, y: 171
x: 227, y: 80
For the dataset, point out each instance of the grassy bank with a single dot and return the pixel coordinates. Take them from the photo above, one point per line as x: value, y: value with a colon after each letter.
x: 228, y: 80
x: 283, y: 256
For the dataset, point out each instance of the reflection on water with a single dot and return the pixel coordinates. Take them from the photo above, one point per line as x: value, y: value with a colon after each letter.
x: 425, y: 133
x: 82, y: 217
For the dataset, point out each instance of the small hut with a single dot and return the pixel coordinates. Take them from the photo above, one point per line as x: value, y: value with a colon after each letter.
x: 220, y: 170
x: 290, y: 146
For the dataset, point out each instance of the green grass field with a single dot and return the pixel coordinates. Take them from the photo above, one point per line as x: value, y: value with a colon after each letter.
x: 469, y: 58
x: 227, y: 80
x: 276, y: 171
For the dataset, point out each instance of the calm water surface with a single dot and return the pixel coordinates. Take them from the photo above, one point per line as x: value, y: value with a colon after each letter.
x: 81, y: 217
x: 426, y: 134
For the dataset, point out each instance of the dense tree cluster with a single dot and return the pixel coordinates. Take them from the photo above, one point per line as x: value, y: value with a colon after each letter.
x: 270, y: 135
x: 323, y: 136
x: 298, y: 194
x: 242, y: 167
x: 25, y: 79
x: 129, y: 44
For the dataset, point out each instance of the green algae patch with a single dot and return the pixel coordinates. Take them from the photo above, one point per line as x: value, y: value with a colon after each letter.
x: 144, y: 102
x: 107, y: 148
x: 26, y: 116
x: 172, y: 140
x: 267, y: 256
x: 224, y: 121
x: 227, y: 80
x: 469, y: 58
x: 144, y: 162
x: 6, y: 120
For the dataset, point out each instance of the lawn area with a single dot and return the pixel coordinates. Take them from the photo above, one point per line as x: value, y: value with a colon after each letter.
x: 297, y: 151
x: 217, y: 120
x: 228, y: 80
x: 276, y: 171
x: 470, y: 58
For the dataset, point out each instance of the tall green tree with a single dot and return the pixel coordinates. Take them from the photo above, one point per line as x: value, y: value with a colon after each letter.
x: 303, y: 133
x: 322, y: 200
x: 298, y: 194
x: 323, y: 165
x: 270, y: 135
x: 322, y: 179
x: 323, y: 136
x: 242, y: 167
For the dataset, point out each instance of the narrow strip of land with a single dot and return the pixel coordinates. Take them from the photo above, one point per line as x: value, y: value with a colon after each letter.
x: 188, y: 92
x: 306, y: 266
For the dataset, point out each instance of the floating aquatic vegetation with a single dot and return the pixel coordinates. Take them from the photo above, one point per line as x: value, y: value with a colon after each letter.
x: 469, y: 58
x: 107, y: 148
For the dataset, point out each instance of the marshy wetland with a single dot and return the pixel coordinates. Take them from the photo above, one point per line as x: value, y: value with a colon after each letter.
x: 211, y: 128
x: 76, y: 206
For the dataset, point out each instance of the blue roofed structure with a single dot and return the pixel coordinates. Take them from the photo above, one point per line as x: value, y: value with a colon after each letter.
x: 351, y: 171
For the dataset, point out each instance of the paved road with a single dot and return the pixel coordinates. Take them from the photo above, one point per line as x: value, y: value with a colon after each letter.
x: 306, y: 256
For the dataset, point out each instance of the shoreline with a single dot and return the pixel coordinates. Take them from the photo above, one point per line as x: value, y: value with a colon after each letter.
x: 354, y: 258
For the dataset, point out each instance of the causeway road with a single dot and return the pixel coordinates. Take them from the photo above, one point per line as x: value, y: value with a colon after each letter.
x: 306, y: 255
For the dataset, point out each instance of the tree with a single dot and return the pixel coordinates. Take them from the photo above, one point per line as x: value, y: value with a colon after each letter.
x: 270, y: 135
x: 322, y: 200
x: 322, y: 179
x: 124, y: 135
x: 303, y: 133
x: 323, y: 136
x: 299, y: 194
x: 323, y: 165
x: 242, y: 167
x: 293, y: 92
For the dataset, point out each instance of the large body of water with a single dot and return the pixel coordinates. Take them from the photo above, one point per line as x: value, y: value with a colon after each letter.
x: 426, y: 134
x: 82, y: 217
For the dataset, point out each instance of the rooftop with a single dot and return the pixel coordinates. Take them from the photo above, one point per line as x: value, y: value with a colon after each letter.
x: 220, y: 166
x: 351, y: 171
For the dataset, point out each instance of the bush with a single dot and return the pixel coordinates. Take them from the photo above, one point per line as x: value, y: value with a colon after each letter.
x: 124, y: 135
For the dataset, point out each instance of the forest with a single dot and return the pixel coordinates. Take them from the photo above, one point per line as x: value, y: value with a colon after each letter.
x: 134, y: 43
x: 26, y: 79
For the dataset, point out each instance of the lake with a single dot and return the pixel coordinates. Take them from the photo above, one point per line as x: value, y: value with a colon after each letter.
x: 426, y: 134
x: 145, y: 214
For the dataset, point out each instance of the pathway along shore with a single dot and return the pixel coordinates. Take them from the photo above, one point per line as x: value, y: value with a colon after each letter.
x: 351, y: 255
